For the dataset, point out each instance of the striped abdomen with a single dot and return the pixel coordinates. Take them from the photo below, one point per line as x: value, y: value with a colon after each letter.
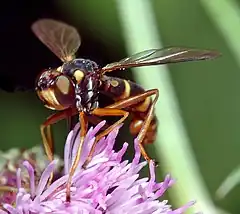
x: 120, y: 89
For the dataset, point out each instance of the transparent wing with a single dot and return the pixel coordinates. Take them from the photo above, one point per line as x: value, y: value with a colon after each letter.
x: 62, y: 39
x: 161, y: 56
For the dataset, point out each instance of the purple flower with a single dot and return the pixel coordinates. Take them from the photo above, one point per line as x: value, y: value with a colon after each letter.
x: 10, y: 161
x: 109, y: 185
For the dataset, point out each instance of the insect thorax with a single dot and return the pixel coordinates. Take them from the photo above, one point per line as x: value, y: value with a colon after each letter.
x: 85, y: 74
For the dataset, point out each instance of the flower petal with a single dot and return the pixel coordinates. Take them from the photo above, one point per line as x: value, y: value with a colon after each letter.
x: 109, y: 185
x: 30, y: 170
x: 45, y: 176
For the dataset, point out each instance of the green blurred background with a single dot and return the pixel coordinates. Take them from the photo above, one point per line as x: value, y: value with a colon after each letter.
x: 207, y: 92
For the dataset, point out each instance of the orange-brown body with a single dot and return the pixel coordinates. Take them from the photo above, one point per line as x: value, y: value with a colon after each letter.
x: 120, y: 89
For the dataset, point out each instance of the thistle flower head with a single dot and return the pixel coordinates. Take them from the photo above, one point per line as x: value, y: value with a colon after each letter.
x: 109, y: 184
x: 10, y: 161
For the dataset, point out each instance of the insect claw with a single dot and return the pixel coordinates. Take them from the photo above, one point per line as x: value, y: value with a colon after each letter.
x: 155, y: 163
x: 85, y: 164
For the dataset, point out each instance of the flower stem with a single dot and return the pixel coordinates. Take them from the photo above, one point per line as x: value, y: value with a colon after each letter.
x: 172, y: 144
x: 225, y: 15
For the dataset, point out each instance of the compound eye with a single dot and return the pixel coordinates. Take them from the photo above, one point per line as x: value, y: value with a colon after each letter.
x: 56, y: 90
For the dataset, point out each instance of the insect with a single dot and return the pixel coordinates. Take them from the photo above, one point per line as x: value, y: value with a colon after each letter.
x: 74, y: 87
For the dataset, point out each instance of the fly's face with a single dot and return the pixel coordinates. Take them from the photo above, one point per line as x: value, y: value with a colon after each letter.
x: 55, y: 89
x: 86, y: 77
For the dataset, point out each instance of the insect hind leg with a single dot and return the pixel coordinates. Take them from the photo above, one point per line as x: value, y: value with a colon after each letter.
x: 131, y: 102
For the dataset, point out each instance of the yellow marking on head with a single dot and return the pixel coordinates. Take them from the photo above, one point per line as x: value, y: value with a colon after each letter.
x: 78, y: 75
x: 49, y: 107
x: 127, y: 90
x: 50, y: 98
x: 63, y: 84
x: 114, y: 83
x: 143, y: 106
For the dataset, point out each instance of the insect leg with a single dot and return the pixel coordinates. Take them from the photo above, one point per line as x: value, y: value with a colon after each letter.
x: 133, y: 100
x: 120, y: 89
x: 105, y: 112
x: 47, y: 136
x: 69, y: 124
x: 83, y: 131
x: 95, y: 120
